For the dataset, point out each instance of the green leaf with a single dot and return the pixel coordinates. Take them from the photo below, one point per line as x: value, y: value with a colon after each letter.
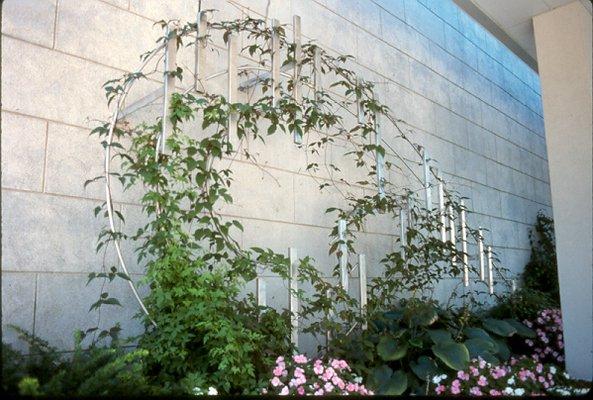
x: 499, y: 327
x: 394, y: 386
x: 390, y: 350
x: 440, y: 335
x: 521, y: 329
x: 388, y: 382
x: 454, y: 355
x: 424, y: 368
x: 480, y: 347
x: 423, y: 315
x: 476, y: 333
x: 502, y: 350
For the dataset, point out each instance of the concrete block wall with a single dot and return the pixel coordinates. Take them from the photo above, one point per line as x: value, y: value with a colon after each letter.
x: 467, y: 98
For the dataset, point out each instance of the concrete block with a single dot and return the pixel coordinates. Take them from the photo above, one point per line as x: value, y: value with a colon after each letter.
x: 481, y: 141
x: 363, y: 13
x: 428, y: 83
x: 260, y: 193
x: 72, y: 158
x: 30, y: 20
x: 18, y: 306
x: 119, y: 43
x: 473, y: 31
x: 55, y: 81
x: 23, y: 152
x: 426, y: 22
x: 158, y: 10
x: 63, y: 302
x: 393, y: 7
x: 451, y: 127
x: 50, y: 233
x: 444, y: 9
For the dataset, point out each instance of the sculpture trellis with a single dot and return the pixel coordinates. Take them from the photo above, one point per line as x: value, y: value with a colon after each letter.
x: 273, y: 75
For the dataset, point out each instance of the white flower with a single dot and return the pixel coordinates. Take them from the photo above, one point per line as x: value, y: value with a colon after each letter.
x: 566, y: 375
x: 511, y: 381
x: 358, y: 379
x: 436, y: 380
x: 508, y: 390
x: 519, y: 392
x: 552, y: 370
x: 197, y: 391
x: 443, y: 376
x: 212, y: 391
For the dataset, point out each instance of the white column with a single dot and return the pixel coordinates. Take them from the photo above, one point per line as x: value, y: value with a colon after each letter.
x: 362, y: 282
x: 344, y: 254
x: 563, y: 41
x: 464, y: 245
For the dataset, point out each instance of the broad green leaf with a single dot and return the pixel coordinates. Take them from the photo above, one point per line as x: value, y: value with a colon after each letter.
x: 394, y: 386
x: 521, y: 329
x: 440, y: 335
x: 476, y: 333
x: 499, y: 327
x: 389, y: 349
x: 484, y: 348
x: 502, y: 350
x: 424, y: 368
x: 423, y: 315
x: 454, y: 355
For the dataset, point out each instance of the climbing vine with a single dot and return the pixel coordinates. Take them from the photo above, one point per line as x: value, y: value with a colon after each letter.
x: 198, y: 326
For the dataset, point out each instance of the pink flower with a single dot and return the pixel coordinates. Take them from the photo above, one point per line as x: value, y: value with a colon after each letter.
x: 284, y: 391
x: 301, y: 390
x: 463, y: 376
x: 319, y: 392
x: 300, y: 359
x: 337, y: 381
x: 352, y: 387
x: 318, y: 369
x: 279, y: 359
x: 482, y: 363
x: 541, y: 379
x: 328, y: 374
x: 494, y: 392
x: 475, y: 391
x: 482, y: 381
x: 474, y: 371
x: 298, y: 372
x: 275, y: 381
x: 455, y: 390
x: 278, y: 371
x: 328, y: 387
x: 440, y: 389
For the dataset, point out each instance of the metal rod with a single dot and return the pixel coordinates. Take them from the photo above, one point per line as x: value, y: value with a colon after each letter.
x: 317, y: 71
x: 293, y: 300
x: 481, y: 252
x: 232, y: 95
x: 442, y: 212
x: 200, y: 48
x: 427, y: 188
x: 330, y: 315
x: 402, y: 233
x: 275, y: 63
x: 362, y: 285
x: 452, y: 233
x: 296, y: 79
x: 260, y: 290
x: 170, y: 66
x: 379, y: 157
x: 343, y: 254
x: 490, y: 276
x: 359, y: 107
x: 464, y: 246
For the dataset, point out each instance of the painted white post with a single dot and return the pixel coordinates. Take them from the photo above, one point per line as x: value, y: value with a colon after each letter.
x: 362, y: 283
x: 481, y: 252
x: 464, y: 245
x: 260, y: 291
x: 442, y: 211
x: 343, y: 254
x: 359, y: 108
x: 427, y: 188
x: 296, y: 80
x: 402, y: 233
x: 317, y: 83
x: 453, y: 233
x: 232, y: 95
x: 275, y: 63
x: 200, y: 49
x: 379, y: 157
x: 293, y: 300
x: 330, y: 315
x: 490, y: 275
x: 170, y: 66
x: 513, y: 286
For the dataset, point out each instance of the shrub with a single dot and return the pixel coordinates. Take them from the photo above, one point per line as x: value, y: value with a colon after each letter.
x: 525, y: 303
x: 300, y: 376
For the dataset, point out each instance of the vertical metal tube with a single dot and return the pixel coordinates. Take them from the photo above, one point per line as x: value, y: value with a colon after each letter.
x: 464, y: 245
x: 275, y: 63
x: 453, y: 232
x: 170, y: 65
x: 293, y: 300
x: 260, y: 290
x: 402, y: 233
x: 442, y: 211
x: 379, y: 157
x: 490, y: 273
x: 343, y: 254
x: 481, y: 252
x: 200, y: 49
x: 362, y: 282
x: 232, y: 95
x: 317, y: 83
x: 427, y: 188
x: 298, y: 55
